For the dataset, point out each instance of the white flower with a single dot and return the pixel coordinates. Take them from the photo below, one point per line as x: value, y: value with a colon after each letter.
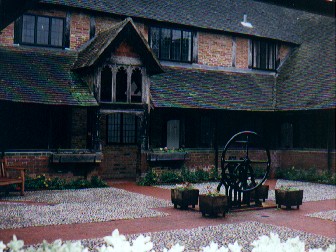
x: 142, y: 244
x: 2, y: 246
x: 176, y: 248
x: 235, y: 247
x: 213, y: 247
x: 105, y: 249
x: 15, y: 245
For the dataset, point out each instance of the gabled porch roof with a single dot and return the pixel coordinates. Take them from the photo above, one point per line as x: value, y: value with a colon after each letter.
x: 93, y: 51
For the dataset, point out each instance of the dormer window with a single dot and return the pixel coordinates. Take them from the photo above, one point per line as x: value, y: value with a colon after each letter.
x: 40, y: 30
x: 171, y: 44
x: 264, y: 55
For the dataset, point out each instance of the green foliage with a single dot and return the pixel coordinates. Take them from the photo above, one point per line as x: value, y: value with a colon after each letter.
x: 184, y: 175
x: 97, y: 182
x: 202, y: 175
x: 150, y: 178
x: 171, y: 177
x: 188, y: 176
x: 37, y: 183
x: 41, y: 182
x: 309, y: 175
x: 78, y: 184
x: 214, y: 175
x: 259, y: 172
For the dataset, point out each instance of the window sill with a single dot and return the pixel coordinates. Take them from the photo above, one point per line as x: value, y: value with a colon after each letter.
x: 167, y: 156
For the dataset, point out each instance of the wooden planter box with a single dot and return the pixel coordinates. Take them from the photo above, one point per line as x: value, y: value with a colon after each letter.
x: 184, y: 198
x: 213, y: 205
x: 260, y: 193
x: 288, y: 198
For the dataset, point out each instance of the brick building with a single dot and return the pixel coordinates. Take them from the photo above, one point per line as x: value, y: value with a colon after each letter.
x: 98, y: 88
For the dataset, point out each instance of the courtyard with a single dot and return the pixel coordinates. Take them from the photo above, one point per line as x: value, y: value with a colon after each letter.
x: 89, y: 215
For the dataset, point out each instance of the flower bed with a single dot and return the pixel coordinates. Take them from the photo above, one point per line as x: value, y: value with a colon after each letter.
x: 118, y: 242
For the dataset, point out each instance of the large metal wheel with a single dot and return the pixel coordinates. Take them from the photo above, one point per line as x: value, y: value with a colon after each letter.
x: 245, y: 162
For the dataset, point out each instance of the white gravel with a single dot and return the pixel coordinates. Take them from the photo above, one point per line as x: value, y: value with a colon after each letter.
x: 326, y: 215
x: 245, y: 233
x: 77, y: 206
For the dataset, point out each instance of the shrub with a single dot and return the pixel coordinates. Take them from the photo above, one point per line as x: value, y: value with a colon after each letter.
x: 150, y: 178
x: 202, y: 175
x: 213, y: 174
x: 310, y: 175
x: 188, y: 176
x: 41, y: 182
x: 170, y: 177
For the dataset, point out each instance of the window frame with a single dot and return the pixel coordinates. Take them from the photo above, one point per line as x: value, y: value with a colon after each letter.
x: 274, y: 49
x: 171, y: 30
x: 122, y: 130
x: 35, y: 43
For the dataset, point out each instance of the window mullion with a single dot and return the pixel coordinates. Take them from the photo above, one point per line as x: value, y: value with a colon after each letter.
x: 160, y: 41
x: 121, y: 128
x: 170, y: 45
x: 49, y: 31
x: 35, y: 30
x: 181, y: 46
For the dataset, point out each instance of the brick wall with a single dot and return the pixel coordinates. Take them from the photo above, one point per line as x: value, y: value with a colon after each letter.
x: 214, y: 49
x: 7, y: 35
x: 284, y: 50
x: 305, y: 159
x: 35, y: 162
x: 38, y: 163
x: 104, y: 23
x: 126, y: 50
x: 119, y: 162
x: 242, y: 53
x: 79, y: 30
x: 205, y: 159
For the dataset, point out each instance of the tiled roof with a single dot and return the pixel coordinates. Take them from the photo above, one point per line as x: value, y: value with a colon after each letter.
x: 36, y: 75
x: 190, y: 88
x: 307, y: 80
x: 268, y: 20
x: 90, y: 52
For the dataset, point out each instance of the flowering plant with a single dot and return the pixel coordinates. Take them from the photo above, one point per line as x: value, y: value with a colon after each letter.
x: 166, y: 149
x: 118, y: 242
x: 185, y: 186
x: 288, y: 188
x: 213, y: 192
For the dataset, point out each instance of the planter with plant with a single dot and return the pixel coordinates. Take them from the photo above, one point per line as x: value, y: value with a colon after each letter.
x: 184, y: 195
x: 260, y: 192
x: 213, y: 203
x: 288, y: 196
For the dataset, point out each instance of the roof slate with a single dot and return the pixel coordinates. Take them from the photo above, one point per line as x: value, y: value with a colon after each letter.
x: 307, y: 80
x: 190, y: 88
x: 269, y: 21
x: 36, y: 75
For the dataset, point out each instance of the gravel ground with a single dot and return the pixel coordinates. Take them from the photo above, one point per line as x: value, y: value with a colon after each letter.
x: 245, y: 233
x: 327, y: 215
x: 77, y: 206
x: 104, y: 204
x: 311, y: 191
